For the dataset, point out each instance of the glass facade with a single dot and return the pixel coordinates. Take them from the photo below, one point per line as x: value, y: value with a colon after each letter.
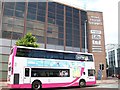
x: 111, y: 56
x: 118, y: 59
x: 50, y: 22
x: 83, y: 21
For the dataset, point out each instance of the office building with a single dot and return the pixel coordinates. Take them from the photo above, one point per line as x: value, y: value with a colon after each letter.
x: 55, y: 25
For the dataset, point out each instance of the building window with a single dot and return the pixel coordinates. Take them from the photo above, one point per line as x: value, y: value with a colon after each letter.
x: 49, y: 30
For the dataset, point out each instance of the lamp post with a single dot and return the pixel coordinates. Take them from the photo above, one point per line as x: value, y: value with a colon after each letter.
x: 85, y: 23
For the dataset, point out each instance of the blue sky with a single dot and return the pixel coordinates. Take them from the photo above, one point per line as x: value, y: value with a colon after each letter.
x: 110, y: 15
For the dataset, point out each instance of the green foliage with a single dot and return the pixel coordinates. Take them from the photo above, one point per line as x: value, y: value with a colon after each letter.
x: 28, y: 40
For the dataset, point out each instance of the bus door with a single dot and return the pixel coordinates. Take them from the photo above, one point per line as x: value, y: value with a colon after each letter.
x: 26, y: 75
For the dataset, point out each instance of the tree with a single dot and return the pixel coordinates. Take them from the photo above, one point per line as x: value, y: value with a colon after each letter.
x: 28, y: 40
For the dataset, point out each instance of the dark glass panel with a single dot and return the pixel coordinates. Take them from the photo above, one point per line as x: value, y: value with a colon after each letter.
x: 59, y: 22
x: 83, y: 17
x: 76, y: 38
x: 39, y: 18
x: 60, y: 6
x: 60, y: 11
x: 60, y: 29
x: 51, y: 20
x: 19, y: 14
x: 69, y: 25
x: 42, y: 5
x: 51, y: 15
x: 69, y: 19
x: 69, y: 36
x: 53, y: 41
x: 51, y: 4
x: 49, y: 30
x: 41, y: 12
x: 76, y: 44
x: 6, y: 34
x: 9, y: 5
x: 76, y: 20
x: 76, y: 26
x: 69, y: 14
x: 32, y: 10
x: 32, y: 4
x: 61, y: 35
x: 51, y: 7
x: 75, y: 12
x: 59, y: 17
x: 20, y: 3
x: 68, y: 42
x: 16, y: 35
x: 8, y: 12
x: 69, y: 31
x: 20, y: 6
x: 40, y: 39
x: 31, y: 16
x: 76, y: 32
x: 68, y: 9
x: 60, y: 42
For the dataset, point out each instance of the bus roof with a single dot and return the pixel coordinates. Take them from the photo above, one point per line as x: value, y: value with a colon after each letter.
x: 52, y: 50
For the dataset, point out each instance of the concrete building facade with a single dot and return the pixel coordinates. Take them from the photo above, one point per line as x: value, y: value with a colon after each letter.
x: 55, y: 25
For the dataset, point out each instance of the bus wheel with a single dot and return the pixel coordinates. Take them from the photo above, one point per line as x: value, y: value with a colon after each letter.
x: 36, y: 85
x: 82, y: 83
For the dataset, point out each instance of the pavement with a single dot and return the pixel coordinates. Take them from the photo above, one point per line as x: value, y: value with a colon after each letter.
x: 108, y: 81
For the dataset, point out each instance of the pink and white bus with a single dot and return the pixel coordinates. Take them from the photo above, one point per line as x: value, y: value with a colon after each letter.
x: 38, y: 68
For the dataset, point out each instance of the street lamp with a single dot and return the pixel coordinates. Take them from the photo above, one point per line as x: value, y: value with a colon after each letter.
x: 85, y: 23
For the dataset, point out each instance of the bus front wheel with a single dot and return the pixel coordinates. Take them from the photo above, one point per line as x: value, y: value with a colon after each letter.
x: 36, y: 85
x: 82, y: 83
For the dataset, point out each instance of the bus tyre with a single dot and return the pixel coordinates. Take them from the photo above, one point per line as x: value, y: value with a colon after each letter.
x: 82, y: 83
x: 36, y: 85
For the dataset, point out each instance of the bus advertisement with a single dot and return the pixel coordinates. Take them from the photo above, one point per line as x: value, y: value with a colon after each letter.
x: 38, y: 68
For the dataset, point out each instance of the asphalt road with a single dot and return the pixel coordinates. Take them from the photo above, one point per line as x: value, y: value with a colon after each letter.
x: 114, y: 86
x: 70, y: 88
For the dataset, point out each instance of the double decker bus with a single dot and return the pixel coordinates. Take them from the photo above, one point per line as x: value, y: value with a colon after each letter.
x: 38, y: 68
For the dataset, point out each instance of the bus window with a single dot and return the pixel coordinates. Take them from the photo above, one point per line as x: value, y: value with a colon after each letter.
x: 69, y: 56
x: 42, y: 72
x: 27, y: 70
x: 91, y: 72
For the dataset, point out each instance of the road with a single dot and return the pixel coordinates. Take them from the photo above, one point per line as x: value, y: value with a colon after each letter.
x: 112, y: 84
x: 96, y: 87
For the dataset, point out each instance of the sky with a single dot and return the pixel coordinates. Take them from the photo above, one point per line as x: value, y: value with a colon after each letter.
x: 110, y: 15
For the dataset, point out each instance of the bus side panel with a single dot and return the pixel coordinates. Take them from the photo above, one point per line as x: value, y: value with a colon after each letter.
x: 19, y: 86
x: 90, y: 80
